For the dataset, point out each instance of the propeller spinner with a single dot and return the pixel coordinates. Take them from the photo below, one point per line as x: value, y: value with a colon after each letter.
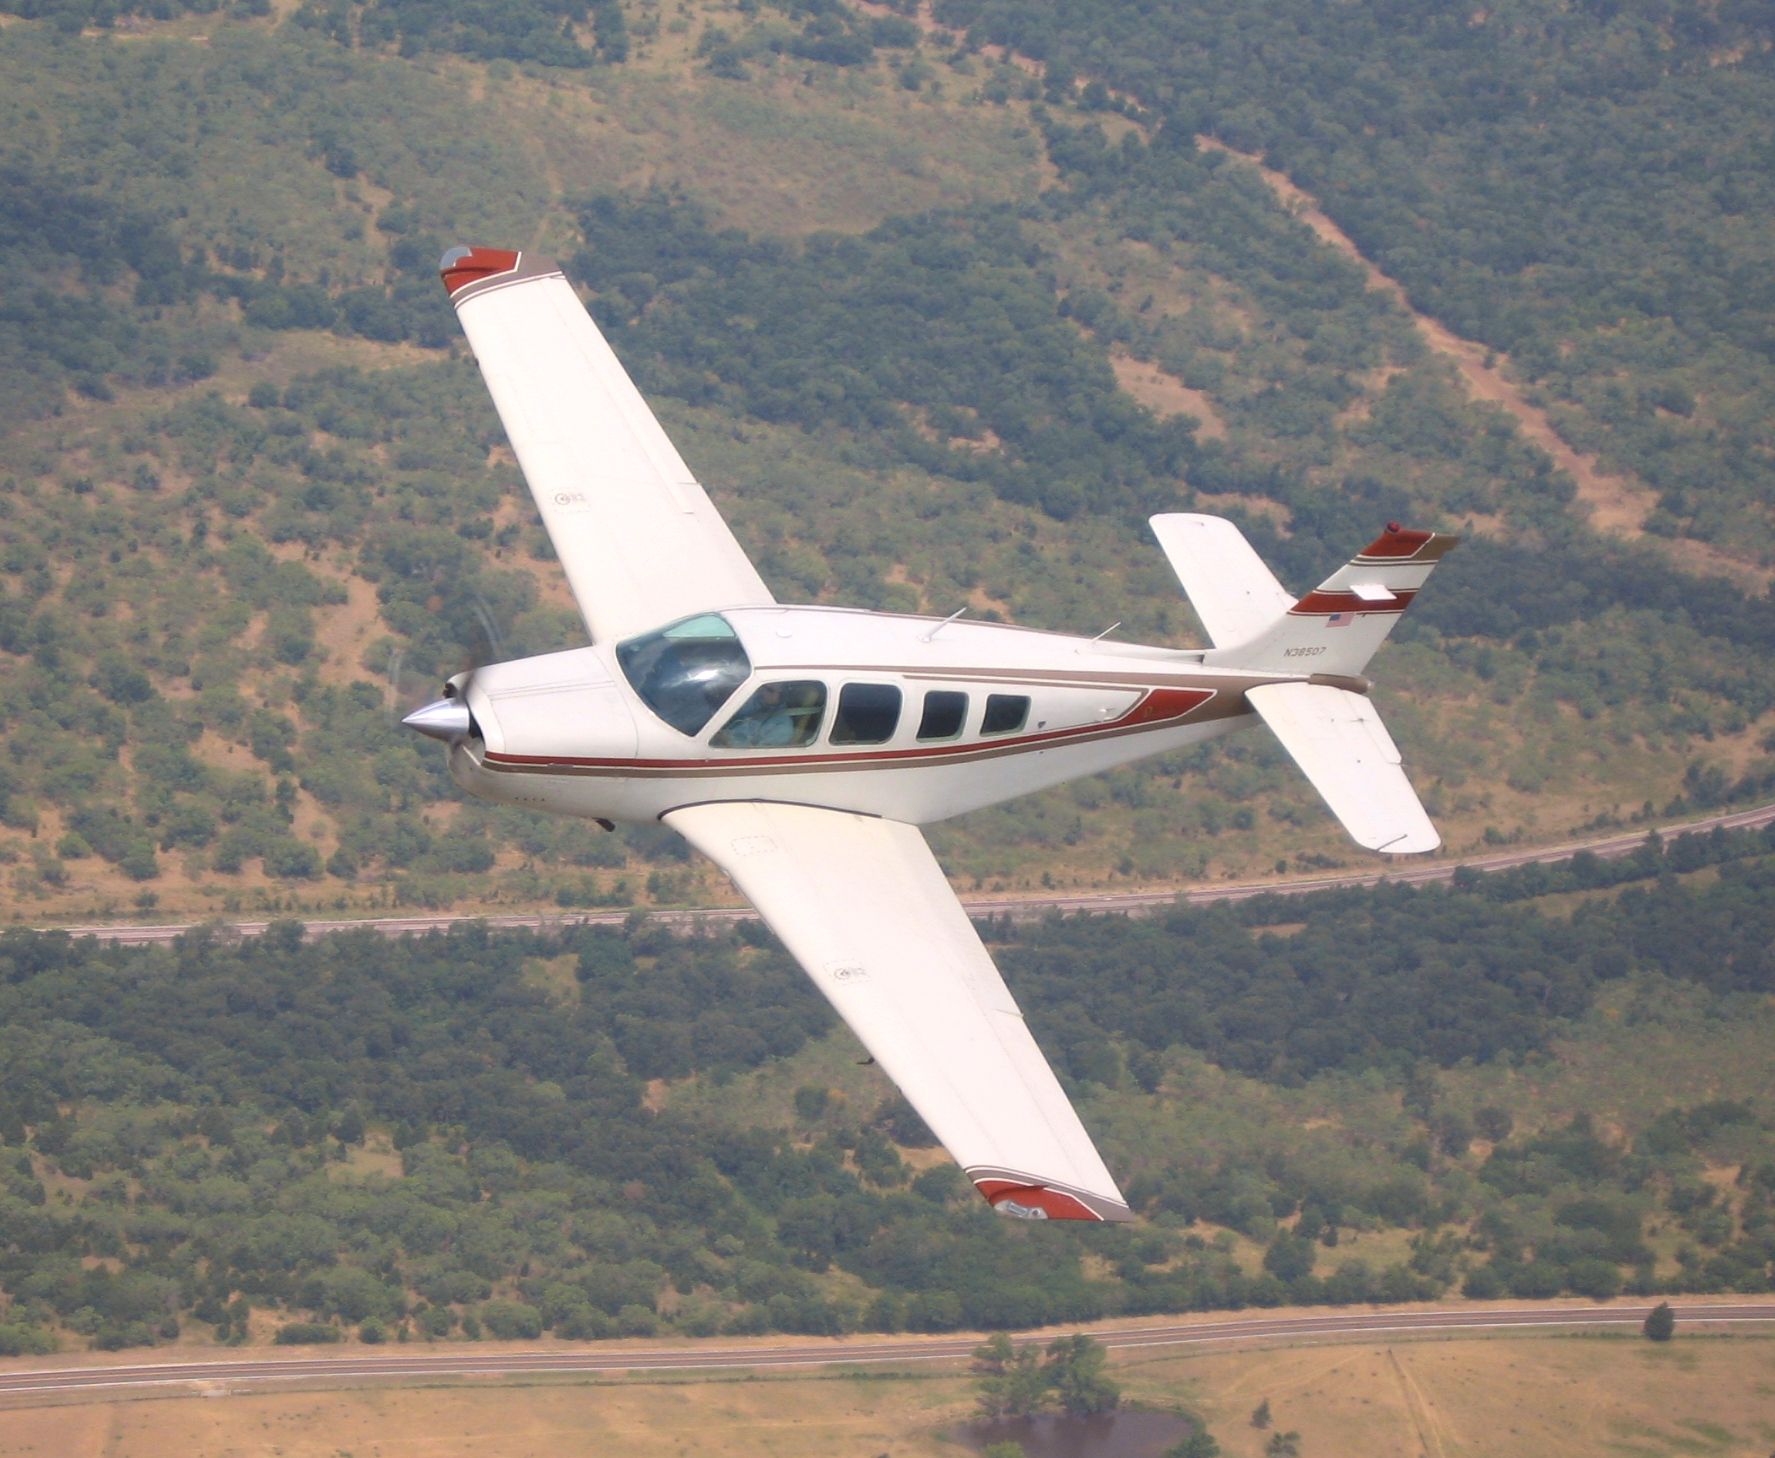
x: 445, y: 719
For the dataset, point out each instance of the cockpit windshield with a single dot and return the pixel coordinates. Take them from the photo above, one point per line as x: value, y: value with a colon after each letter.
x: 686, y: 671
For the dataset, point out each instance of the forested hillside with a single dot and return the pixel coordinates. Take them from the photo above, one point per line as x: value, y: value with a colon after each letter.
x: 1549, y: 1082
x: 939, y: 322
x: 1584, y: 187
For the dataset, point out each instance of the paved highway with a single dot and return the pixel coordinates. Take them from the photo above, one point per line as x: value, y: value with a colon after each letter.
x: 1018, y: 908
x: 23, y: 1386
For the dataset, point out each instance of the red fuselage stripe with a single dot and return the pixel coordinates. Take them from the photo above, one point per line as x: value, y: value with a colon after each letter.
x: 1152, y: 710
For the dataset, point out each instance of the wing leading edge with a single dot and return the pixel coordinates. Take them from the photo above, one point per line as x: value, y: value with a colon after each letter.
x: 638, y: 538
x: 864, y: 908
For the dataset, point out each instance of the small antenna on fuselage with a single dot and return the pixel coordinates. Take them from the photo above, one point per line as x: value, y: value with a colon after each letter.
x: 944, y: 624
x: 1106, y: 632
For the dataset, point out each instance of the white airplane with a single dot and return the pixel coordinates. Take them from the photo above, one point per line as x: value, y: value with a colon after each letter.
x: 800, y: 748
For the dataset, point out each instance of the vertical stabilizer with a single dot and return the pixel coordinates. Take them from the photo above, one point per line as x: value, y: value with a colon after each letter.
x: 1336, y: 627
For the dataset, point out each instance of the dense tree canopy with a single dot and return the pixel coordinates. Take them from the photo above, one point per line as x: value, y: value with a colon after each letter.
x: 444, y: 1135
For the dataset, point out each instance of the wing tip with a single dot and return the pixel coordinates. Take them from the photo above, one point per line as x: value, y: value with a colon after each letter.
x: 1026, y: 1199
x: 462, y: 265
x: 1404, y: 836
x: 468, y: 271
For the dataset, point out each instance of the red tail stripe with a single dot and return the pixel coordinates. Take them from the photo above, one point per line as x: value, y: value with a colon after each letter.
x: 1323, y: 604
x: 1397, y: 542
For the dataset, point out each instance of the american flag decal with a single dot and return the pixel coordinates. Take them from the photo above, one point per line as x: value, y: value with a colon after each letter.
x: 1340, y: 620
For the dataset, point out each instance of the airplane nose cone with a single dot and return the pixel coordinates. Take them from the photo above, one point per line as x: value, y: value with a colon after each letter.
x: 447, y: 719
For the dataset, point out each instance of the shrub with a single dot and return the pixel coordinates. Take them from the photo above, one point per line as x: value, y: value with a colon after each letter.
x: 307, y: 1333
x: 511, y: 1320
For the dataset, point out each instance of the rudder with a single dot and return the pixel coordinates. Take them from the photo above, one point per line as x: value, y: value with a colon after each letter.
x: 1336, y: 628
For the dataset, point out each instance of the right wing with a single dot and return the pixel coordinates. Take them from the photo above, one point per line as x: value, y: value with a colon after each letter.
x: 864, y: 908
x: 638, y: 538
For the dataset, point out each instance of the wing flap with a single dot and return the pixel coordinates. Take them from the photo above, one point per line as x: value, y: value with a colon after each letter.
x: 1341, y: 745
x: 864, y: 908
x: 639, y: 540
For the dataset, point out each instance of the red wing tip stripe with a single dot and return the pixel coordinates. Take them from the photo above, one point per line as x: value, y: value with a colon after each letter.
x: 461, y: 266
x: 1042, y: 1202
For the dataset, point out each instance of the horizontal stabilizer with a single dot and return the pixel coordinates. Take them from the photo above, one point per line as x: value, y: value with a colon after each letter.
x: 1338, y: 740
x: 1234, y: 594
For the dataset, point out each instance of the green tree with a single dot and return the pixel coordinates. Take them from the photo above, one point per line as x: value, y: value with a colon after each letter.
x: 1075, y: 1371
x: 1199, y: 1444
x: 1660, y: 1323
x: 1289, y: 1257
x: 1282, y: 1445
x: 1012, y: 1382
x: 1260, y: 1415
x: 992, y: 1358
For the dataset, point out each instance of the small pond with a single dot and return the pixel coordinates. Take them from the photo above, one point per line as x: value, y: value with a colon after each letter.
x: 1127, y: 1433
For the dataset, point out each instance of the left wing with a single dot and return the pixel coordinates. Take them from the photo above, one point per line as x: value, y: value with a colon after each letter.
x: 863, y: 906
x: 638, y: 538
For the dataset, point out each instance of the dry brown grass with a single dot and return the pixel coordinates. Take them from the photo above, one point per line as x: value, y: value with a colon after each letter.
x: 1579, y: 1397
x: 1165, y: 394
x: 786, y: 1419
x: 555, y: 977
x: 375, y: 1157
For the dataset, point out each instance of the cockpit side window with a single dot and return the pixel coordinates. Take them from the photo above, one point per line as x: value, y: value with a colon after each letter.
x: 687, y: 670
x: 783, y: 715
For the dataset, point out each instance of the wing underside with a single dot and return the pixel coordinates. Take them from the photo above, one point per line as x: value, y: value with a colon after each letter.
x: 864, y: 908
x: 639, y: 540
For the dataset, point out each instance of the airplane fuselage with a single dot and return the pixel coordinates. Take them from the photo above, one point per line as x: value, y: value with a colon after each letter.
x: 910, y: 718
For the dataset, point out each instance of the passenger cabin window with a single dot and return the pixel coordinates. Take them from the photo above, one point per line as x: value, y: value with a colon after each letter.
x: 1005, y: 713
x: 868, y: 713
x: 945, y: 711
x: 686, y: 671
x: 777, y: 716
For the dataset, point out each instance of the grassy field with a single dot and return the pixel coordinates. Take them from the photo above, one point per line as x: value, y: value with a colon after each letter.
x: 1574, y: 1396
x: 1580, y: 1397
